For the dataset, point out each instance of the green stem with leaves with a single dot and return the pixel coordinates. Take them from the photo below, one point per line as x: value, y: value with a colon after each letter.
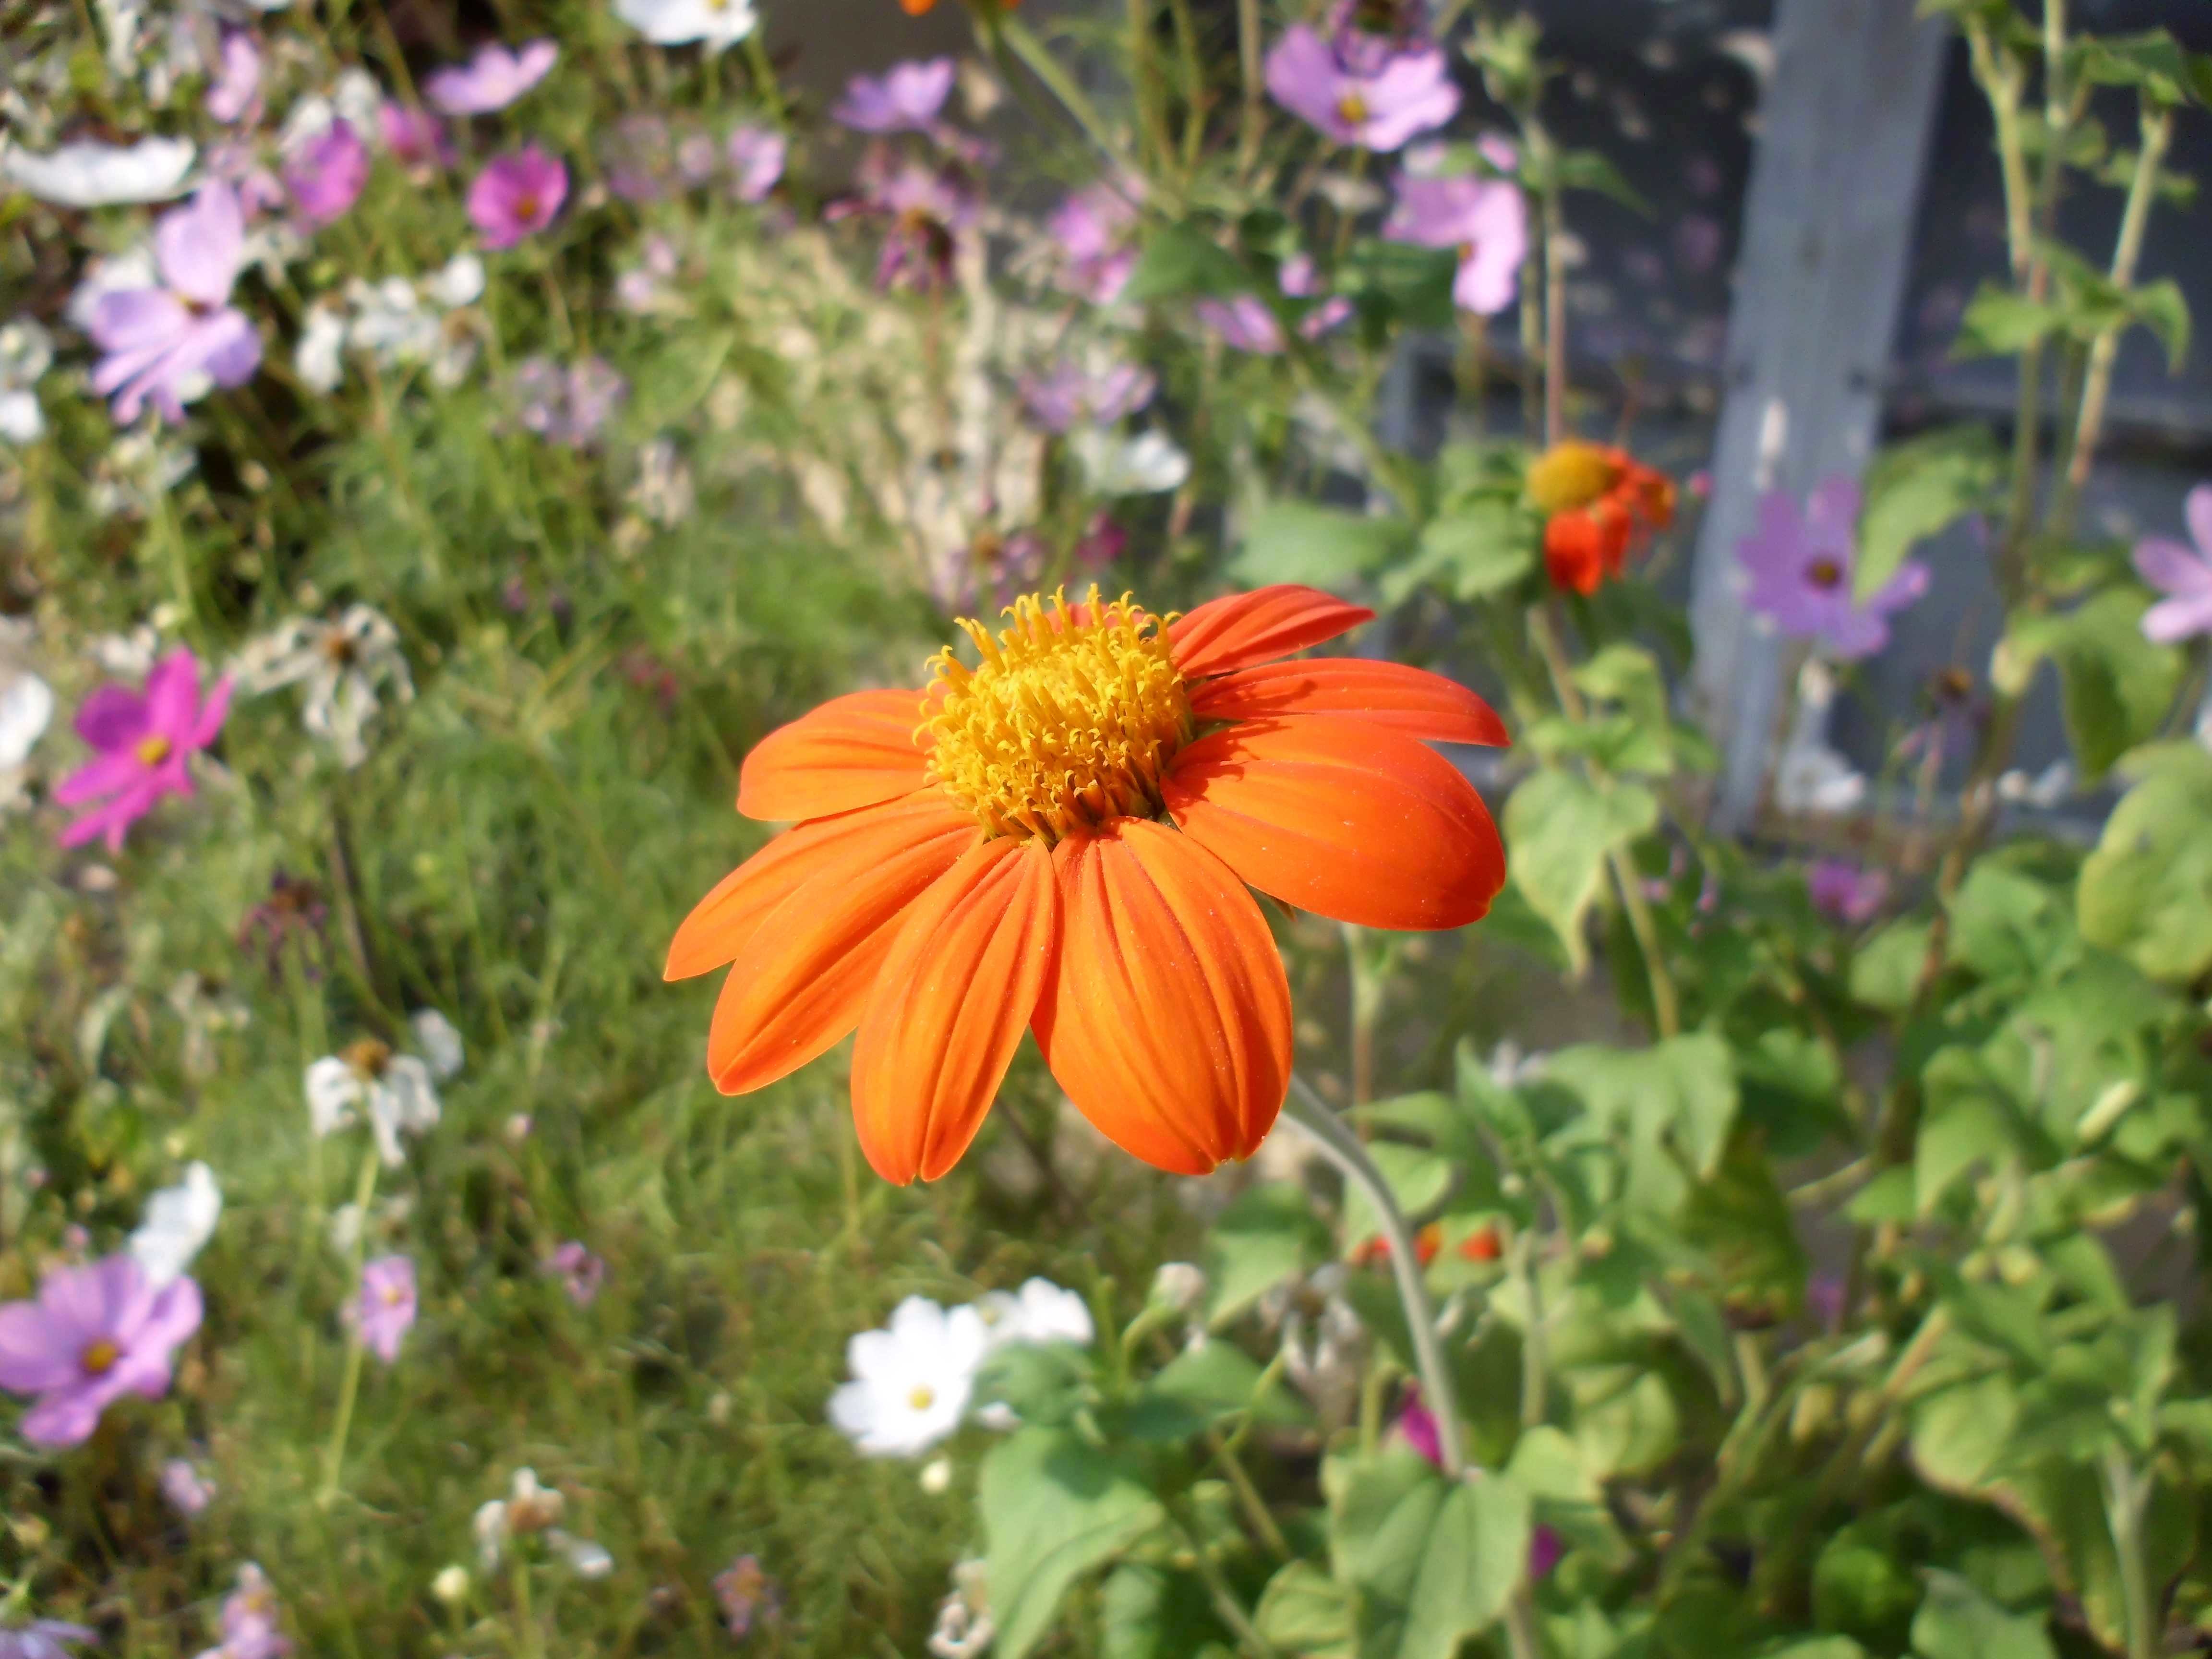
x: 364, y: 1189
x: 1342, y: 1148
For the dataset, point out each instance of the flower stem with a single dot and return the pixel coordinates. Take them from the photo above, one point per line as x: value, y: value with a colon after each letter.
x: 1015, y: 36
x: 2127, y: 1495
x: 1341, y: 1147
x: 1254, y: 72
x: 764, y: 82
x: 350, y: 1388
x: 1226, y: 1604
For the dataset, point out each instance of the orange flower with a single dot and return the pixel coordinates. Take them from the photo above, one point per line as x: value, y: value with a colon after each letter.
x: 1427, y: 1243
x: 917, y: 8
x: 1483, y: 1244
x: 1598, y: 501
x: 1059, y: 839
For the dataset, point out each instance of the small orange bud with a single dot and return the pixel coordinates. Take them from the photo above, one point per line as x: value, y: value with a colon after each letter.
x: 1482, y: 1245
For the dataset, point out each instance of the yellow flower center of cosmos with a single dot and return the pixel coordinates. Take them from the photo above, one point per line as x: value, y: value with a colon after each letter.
x: 922, y: 1398
x: 1825, y: 573
x: 152, y: 751
x: 1571, y: 475
x: 98, y: 1358
x: 1352, y: 110
x: 1068, y: 721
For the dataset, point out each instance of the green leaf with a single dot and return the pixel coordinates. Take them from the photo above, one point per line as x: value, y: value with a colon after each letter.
x: 1291, y: 541
x: 2162, y: 308
x: 1146, y: 1612
x: 2118, y: 685
x: 1957, y: 1621
x: 1473, y: 1559
x: 2005, y: 925
x: 1180, y: 261
x: 1435, y: 1562
x: 2146, y: 892
x: 1917, y: 487
x: 1054, y: 1508
x: 1591, y: 170
x: 2000, y: 322
x: 1559, y: 829
x: 1886, y: 971
x: 1268, y: 1234
x: 1306, y: 1614
x: 1202, y: 1385
x: 1683, y: 1089
x: 1469, y: 552
x: 1418, y: 1179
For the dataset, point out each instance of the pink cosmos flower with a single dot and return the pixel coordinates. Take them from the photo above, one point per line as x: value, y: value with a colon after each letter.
x: 758, y: 155
x: 2183, y: 573
x: 95, y: 1333
x: 1418, y: 1425
x: 1300, y: 278
x: 234, y: 94
x: 517, y: 195
x: 416, y: 138
x: 327, y: 176
x: 580, y: 1272
x: 1845, y: 893
x: 1071, y: 393
x: 906, y: 97
x: 1376, y: 106
x: 1096, y: 229
x: 1245, y: 323
x: 386, y: 1312
x: 42, y: 1638
x: 1485, y: 219
x: 188, y: 1493
x: 491, y: 80
x: 145, y: 743
x: 170, y: 344
x: 250, y: 1616
x: 929, y: 208
x: 1799, y: 566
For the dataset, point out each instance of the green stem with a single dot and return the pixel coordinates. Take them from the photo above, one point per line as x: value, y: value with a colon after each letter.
x: 364, y: 1189
x: 1341, y: 1147
x: 1226, y: 1604
x: 1521, y: 1626
x: 1253, y: 69
x: 1666, y: 1003
x: 527, y: 1639
x: 2127, y: 1495
x: 764, y: 82
x: 1016, y: 36
x: 1535, y: 1358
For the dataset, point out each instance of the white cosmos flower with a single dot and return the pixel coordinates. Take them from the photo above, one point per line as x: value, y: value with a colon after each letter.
x: 27, y: 702
x: 397, y: 1092
x: 319, y: 358
x: 440, y: 1042
x: 911, y: 1382
x: 89, y: 174
x: 26, y: 351
x: 1039, y: 1312
x: 342, y: 665
x: 179, y: 1221
x: 1151, y: 464
x: 714, y: 23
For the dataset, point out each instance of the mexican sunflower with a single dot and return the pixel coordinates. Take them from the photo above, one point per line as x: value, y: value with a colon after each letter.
x: 1597, y: 503
x: 917, y: 8
x: 1060, y: 838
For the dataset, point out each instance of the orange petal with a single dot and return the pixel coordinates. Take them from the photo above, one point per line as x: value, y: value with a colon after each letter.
x: 1240, y: 629
x: 809, y: 965
x: 1166, y: 1016
x: 1408, y: 700
x: 834, y: 849
x: 948, y: 1007
x: 854, y: 750
x: 1341, y: 817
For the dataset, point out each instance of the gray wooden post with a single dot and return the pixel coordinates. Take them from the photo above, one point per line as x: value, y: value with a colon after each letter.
x: 1827, y: 231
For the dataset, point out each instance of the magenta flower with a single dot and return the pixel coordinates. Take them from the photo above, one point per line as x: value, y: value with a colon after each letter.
x: 491, y: 80
x: 1485, y: 219
x: 758, y: 155
x: 1376, y: 106
x: 1843, y: 892
x: 234, y: 92
x: 250, y: 1620
x: 386, y: 1312
x: 581, y: 1273
x: 906, y: 97
x: 327, y: 176
x: 1245, y: 323
x: 170, y: 344
x: 1546, y: 1547
x: 2183, y: 573
x: 95, y: 1333
x: 1103, y: 540
x: 1799, y: 566
x: 145, y: 743
x: 1419, y: 1424
x: 42, y: 1638
x: 517, y: 196
x: 1071, y: 394
x: 1096, y: 229
x: 416, y: 138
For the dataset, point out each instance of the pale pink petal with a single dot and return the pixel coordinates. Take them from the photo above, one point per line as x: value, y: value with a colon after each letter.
x: 2197, y: 511
x: 37, y: 1353
x: 198, y: 246
x: 139, y: 320
x: 64, y: 1417
x: 2171, y: 620
x: 2174, y: 569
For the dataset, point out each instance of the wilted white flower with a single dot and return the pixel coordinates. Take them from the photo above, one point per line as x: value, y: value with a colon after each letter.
x: 1324, y: 1344
x: 1811, y: 779
x: 527, y: 1508
x: 911, y: 1382
x: 586, y: 1559
x: 89, y: 174
x: 935, y: 1477
x: 27, y: 705
x: 2045, y: 789
x: 203, y: 1018
x: 716, y: 24
x: 1179, y: 1284
x: 664, y: 491
x: 963, y: 1628
x: 317, y: 359
x: 127, y: 656
x: 440, y: 1042
x: 1149, y: 463
x: 397, y: 1092
x: 139, y: 468
x: 1039, y: 1312
x: 341, y: 664
x: 178, y: 1222
x: 26, y: 351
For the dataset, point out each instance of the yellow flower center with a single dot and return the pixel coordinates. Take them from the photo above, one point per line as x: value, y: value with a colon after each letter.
x: 527, y: 204
x: 367, y: 1057
x: 922, y: 1398
x: 98, y: 1358
x: 1352, y: 110
x: 1069, y: 720
x: 1825, y: 573
x: 152, y: 751
x: 1571, y: 475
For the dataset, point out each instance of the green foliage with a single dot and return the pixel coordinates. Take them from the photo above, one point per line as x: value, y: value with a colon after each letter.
x: 2147, y: 891
x: 1559, y: 830
x: 1054, y: 1508
x: 1916, y: 488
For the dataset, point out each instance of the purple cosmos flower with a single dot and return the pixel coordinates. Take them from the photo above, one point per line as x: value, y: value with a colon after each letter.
x: 187, y: 1492
x: 517, y: 195
x: 1245, y: 322
x: 42, y: 1638
x: 250, y: 1615
x: 234, y: 92
x: 2183, y: 573
x: 929, y: 208
x: 1485, y: 219
x: 386, y: 1312
x: 145, y: 743
x: 239, y: 165
x: 95, y: 1333
x: 169, y: 344
x: 567, y: 407
x: 327, y: 176
x: 638, y: 156
x: 758, y: 155
x: 1376, y: 106
x: 1300, y: 278
x: 906, y: 97
x: 1071, y: 393
x: 581, y: 1273
x: 1845, y: 893
x: 1800, y: 570
x: 416, y: 138
x: 1095, y: 228
x: 1546, y: 1547
x: 1365, y: 33
x: 491, y: 80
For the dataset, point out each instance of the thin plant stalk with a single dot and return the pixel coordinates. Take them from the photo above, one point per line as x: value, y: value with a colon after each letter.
x: 1342, y: 1148
x: 1253, y: 69
x: 350, y: 1388
x: 2127, y: 1496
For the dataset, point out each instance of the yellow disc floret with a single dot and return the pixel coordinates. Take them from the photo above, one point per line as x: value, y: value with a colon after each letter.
x: 1571, y: 474
x: 1068, y: 720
